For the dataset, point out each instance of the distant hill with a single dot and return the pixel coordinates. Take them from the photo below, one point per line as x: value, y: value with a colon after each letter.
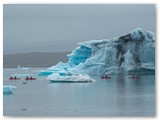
x: 35, y: 59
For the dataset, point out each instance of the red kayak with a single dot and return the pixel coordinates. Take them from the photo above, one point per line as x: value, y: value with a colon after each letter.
x: 14, y: 78
x: 134, y: 77
x: 105, y: 77
x: 30, y: 78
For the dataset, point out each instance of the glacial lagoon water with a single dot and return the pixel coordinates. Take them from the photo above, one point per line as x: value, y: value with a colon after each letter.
x: 118, y: 96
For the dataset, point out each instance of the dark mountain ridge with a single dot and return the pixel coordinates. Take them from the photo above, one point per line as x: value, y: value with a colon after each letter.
x: 34, y: 59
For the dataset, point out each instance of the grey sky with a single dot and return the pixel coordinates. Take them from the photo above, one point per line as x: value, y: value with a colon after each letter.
x: 58, y: 28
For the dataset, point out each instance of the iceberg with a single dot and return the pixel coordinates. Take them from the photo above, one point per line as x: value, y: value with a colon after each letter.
x: 8, y: 89
x: 69, y: 78
x: 130, y: 53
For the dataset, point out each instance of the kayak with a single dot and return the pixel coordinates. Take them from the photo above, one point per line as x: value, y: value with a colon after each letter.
x: 105, y: 77
x: 14, y: 78
x: 30, y: 79
x: 134, y: 77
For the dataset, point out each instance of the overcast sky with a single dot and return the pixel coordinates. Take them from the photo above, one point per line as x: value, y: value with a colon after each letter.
x: 58, y: 28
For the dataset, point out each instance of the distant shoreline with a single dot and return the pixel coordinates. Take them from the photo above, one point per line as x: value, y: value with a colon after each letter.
x: 28, y: 67
x: 35, y: 53
x: 34, y: 59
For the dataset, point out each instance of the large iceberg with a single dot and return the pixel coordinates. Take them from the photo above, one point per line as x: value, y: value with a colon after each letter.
x: 130, y: 53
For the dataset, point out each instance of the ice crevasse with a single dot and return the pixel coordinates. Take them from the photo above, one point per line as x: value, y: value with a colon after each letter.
x: 130, y: 53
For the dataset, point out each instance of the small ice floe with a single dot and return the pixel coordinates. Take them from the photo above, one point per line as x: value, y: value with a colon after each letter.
x: 56, y: 77
x: 8, y: 89
x: 21, y: 75
x: 24, y: 68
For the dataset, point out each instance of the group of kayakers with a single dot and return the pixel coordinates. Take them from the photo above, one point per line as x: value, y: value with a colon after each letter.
x: 102, y: 77
x: 131, y: 77
x: 105, y: 77
x: 27, y: 78
x: 30, y: 78
x: 134, y: 77
x: 14, y: 78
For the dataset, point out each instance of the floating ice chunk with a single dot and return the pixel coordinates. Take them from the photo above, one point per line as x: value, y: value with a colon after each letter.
x: 56, y: 77
x: 8, y: 89
x: 24, y: 68
x: 21, y: 75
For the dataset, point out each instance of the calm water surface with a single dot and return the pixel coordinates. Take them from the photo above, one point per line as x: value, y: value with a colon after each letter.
x: 119, y: 96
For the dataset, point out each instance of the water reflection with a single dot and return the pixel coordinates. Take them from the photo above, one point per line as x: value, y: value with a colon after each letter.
x: 121, y: 93
x: 132, y: 96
